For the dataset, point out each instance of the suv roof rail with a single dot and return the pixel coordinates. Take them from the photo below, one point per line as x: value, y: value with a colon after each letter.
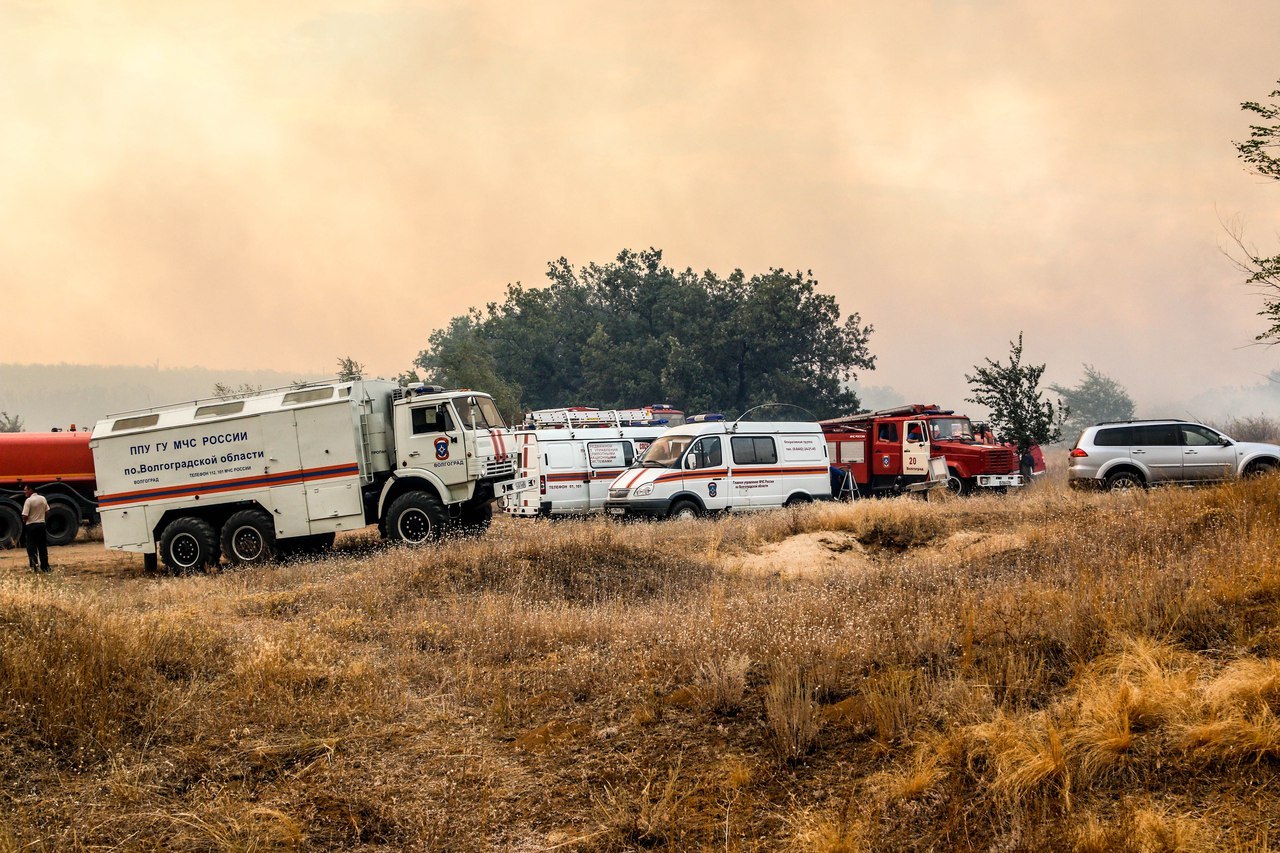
x: 1145, y: 421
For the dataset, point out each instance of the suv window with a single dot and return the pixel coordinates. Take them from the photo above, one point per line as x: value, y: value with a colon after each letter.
x: 1198, y: 436
x: 1114, y: 437
x: 1156, y: 435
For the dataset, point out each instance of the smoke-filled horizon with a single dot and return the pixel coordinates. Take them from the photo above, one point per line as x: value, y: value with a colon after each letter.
x: 271, y: 186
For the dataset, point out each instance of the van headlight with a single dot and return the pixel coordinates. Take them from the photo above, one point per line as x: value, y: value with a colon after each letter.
x: 642, y: 491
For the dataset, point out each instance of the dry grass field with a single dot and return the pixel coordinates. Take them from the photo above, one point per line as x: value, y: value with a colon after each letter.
x: 1047, y: 670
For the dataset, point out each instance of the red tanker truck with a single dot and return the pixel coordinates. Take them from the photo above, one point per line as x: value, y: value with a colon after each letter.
x: 60, y: 466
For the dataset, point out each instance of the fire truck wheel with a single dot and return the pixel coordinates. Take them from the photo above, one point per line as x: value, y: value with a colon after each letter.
x: 684, y: 510
x: 249, y: 537
x: 415, y: 518
x: 10, y: 527
x: 476, y: 519
x: 62, y: 523
x: 956, y: 484
x: 188, y: 545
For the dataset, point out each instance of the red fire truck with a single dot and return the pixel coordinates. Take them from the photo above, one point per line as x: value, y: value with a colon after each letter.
x: 893, y: 450
x: 60, y: 466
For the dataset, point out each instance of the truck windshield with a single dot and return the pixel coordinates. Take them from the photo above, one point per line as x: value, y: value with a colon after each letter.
x: 481, y: 412
x: 666, y: 451
x: 941, y: 429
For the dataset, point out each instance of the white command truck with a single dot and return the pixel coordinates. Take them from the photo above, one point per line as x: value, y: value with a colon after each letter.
x: 566, y: 458
x: 282, y: 471
x: 712, y: 466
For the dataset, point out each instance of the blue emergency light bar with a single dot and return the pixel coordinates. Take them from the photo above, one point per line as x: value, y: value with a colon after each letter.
x: 702, y: 419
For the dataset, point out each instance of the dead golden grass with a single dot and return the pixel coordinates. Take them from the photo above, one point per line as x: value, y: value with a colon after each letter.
x: 1042, y: 670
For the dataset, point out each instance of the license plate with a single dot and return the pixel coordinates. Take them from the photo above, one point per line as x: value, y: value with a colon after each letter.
x: 515, y: 486
x: 617, y: 510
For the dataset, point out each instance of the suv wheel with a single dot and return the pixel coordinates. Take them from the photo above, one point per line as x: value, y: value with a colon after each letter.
x: 1122, y: 481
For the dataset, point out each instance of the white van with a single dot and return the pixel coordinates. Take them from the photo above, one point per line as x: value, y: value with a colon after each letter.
x: 713, y: 466
x: 566, y: 458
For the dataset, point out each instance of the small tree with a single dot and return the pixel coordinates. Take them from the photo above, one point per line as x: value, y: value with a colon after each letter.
x: 244, y: 389
x: 1012, y: 394
x: 1097, y: 398
x: 10, y: 423
x: 349, y: 370
x: 1261, y: 272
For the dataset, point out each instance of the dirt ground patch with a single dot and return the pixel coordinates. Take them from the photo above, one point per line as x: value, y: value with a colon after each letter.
x: 805, y: 555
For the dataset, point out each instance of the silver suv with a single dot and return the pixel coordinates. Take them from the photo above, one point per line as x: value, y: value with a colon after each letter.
x: 1133, y: 454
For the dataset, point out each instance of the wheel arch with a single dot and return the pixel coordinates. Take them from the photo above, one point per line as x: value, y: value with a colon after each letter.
x: 692, y: 497
x: 419, y: 481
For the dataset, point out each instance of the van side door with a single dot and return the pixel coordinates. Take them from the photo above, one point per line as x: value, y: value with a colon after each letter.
x: 606, y: 459
x: 705, y: 473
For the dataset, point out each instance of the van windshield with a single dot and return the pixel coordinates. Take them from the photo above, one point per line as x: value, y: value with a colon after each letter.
x: 666, y: 451
x: 941, y: 429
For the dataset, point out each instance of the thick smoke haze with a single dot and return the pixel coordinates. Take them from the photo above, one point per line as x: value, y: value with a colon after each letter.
x: 269, y: 186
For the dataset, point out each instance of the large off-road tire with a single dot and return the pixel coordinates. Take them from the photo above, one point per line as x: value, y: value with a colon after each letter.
x: 189, y: 545
x: 249, y: 538
x: 1123, y: 481
x: 10, y: 527
x: 415, y: 518
x: 956, y: 484
x: 684, y: 510
x: 61, y: 523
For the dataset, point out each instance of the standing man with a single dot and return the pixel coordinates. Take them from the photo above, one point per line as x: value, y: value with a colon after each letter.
x: 34, y: 511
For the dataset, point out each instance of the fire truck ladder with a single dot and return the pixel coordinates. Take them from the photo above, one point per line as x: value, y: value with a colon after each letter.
x: 589, y: 418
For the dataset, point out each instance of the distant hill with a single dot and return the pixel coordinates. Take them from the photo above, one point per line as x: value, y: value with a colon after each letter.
x: 58, y: 395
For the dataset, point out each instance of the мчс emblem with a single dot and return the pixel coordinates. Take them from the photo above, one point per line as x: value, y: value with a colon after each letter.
x: 884, y: 460
x: 711, y: 489
x: 442, y: 448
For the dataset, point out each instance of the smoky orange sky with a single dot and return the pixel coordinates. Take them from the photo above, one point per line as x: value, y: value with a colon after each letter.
x: 247, y: 185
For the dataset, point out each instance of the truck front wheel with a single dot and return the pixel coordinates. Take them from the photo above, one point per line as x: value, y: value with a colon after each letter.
x: 248, y: 537
x: 415, y: 518
x: 958, y: 485
x: 10, y: 526
x: 188, y: 545
x: 62, y: 523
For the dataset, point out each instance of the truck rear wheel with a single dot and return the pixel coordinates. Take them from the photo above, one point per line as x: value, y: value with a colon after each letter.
x: 249, y: 537
x: 415, y: 518
x: 189, y: 545
x: 10, y: 526
x: 62, y: 523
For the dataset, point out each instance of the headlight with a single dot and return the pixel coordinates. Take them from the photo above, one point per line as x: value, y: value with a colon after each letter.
x: 641, y: 491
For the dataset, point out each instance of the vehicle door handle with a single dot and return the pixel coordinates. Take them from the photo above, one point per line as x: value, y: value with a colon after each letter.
x: 413, y: 454
x: 1137, y: 451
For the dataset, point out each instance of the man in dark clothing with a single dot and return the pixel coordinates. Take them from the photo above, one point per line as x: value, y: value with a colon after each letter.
x: 34, y: 511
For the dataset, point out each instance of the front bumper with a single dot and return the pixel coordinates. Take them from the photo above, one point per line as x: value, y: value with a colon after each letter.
x: 998, y: 481
x: 652, y: 508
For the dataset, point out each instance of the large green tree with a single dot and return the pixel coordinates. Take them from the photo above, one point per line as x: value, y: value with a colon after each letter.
x: 1259, y: 154
x: 1097, y: 398
x: 1019, y: 412
x: 635, y: 331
